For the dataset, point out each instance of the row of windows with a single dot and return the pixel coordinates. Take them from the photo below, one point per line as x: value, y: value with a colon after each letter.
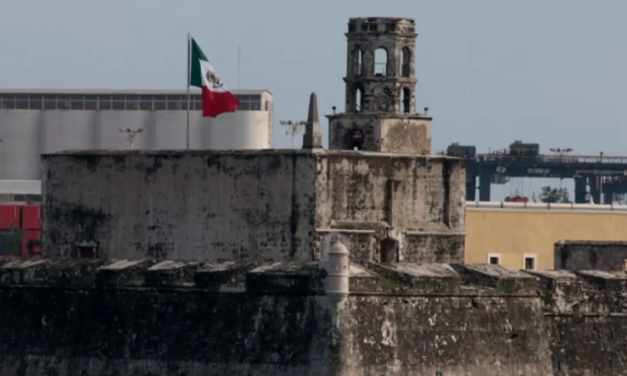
x: 381, y: 63
x: 116, y: 102
x: 529, y: 261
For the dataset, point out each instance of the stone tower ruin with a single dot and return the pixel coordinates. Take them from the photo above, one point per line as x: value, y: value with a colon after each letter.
x: 380, y: 98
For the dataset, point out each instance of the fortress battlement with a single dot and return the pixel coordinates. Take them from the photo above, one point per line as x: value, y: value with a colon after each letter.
x: 563, y: 292
x: 138, y: 317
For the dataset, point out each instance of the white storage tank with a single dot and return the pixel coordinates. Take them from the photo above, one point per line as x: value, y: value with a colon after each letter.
x: 170, y: 130
x: 240, y: 130
x: 69, y: 130
x: 110, y: 123
x: 19, y: 149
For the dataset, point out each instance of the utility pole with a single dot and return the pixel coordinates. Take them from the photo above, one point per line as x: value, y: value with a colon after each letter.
x: 130, y: 135
x: 293, y: 128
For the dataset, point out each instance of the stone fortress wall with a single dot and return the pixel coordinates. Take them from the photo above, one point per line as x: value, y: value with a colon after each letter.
x: 311, y: 262
x: 94, y: 317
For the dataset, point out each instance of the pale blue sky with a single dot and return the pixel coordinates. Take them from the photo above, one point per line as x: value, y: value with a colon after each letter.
x: 491, y: 71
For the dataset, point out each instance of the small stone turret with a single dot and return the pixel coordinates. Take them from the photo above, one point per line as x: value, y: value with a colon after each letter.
x: 312, y: 139
x: 337, y: 267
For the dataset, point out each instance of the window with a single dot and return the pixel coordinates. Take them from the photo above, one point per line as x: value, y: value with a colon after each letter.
x: 406, y: 99
x: 132, y: 104
x: 405, y: 61
x: 91, y: 105
x: 77, y: 104
x: 388, y: 251
x: 358, y: 57
x: 380, y: 62
x: 159, y: 106
x: 359, y: 99
x: 174, y: 105
x: 529, y: 262
x: 7, y: 102
x: 85, y: 250
x: 35, y: 102
x: 145, y: 106
x: 494, y: 258
x: 21, y: 101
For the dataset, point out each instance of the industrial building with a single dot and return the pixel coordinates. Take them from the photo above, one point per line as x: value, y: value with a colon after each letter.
x: 33, y: 122
x: 521, y: 235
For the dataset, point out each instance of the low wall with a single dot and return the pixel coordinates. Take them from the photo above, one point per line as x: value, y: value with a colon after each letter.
x: 580, y: 255
x: 95, y: 317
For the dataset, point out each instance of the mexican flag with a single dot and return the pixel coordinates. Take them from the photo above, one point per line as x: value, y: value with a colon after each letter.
x: 216, y: 98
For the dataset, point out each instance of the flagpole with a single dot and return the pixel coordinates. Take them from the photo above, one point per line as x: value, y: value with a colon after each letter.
x: 189, y: 73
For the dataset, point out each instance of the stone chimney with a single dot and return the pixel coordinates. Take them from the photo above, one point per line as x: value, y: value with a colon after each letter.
x: 312, y: 139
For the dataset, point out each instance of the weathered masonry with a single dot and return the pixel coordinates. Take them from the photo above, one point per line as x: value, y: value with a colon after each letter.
x: 253, y: 205
x: 380, y: 105
x: 142, y: 317
x: 582, y: 255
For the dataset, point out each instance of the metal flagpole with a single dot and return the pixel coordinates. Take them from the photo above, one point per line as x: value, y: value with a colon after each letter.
x: 189, y: 76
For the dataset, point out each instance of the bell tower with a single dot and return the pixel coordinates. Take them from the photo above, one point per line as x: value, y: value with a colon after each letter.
x: 380, y: 90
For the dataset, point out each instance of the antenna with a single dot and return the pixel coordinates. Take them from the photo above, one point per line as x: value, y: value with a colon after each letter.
x: 239, y: 66
x: 293, y: 128
x: 130, y: 135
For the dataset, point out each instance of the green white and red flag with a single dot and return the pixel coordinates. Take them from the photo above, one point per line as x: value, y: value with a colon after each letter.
x: 216, y: 97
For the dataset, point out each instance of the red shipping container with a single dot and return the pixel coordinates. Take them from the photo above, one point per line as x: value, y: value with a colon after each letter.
x: 31, y: 243
x: 31, y: 217
x: 10, y: 216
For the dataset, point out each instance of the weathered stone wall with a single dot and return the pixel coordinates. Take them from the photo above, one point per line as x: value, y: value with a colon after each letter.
x: 252, y: 205
x: 220, y: 205
x: 91, y: 317
x: 599, y: 255
x: 390, y: 133
x: 417, y: 201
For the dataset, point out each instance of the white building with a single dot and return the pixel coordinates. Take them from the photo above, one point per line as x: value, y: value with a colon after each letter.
x: 33, y: 122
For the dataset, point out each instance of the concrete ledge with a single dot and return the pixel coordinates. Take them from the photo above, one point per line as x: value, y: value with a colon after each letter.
x: 122, y: 273
x: 604, y: 280
x: 21, y: 271
x: 170, y: 273
x: 296, y: 278
x: 215, y: 275
x: 502, y: 279
x: 422, y: 278
x: 564, y: 292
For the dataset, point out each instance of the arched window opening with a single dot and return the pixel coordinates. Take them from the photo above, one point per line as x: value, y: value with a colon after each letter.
x: 405, y: 61
x: 405, y: 99
x: 380, y: 62
x: 358, y: 60
x: 354, y: 139
x: 359, y: 99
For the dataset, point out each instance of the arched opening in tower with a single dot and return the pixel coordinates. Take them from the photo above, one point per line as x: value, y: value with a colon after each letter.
x: 380, y: 62
x: 358, y: 58
x: 405, y: 99
x: 405, y: 61
x: 359, y: 99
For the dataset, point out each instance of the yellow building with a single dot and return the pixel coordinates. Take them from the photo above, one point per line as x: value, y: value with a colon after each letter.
x: 522, y: 235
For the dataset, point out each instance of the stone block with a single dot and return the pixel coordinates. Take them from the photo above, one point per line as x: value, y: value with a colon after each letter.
x: 171, y: 273
x: 498, y: 277
x: 122, y: 273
